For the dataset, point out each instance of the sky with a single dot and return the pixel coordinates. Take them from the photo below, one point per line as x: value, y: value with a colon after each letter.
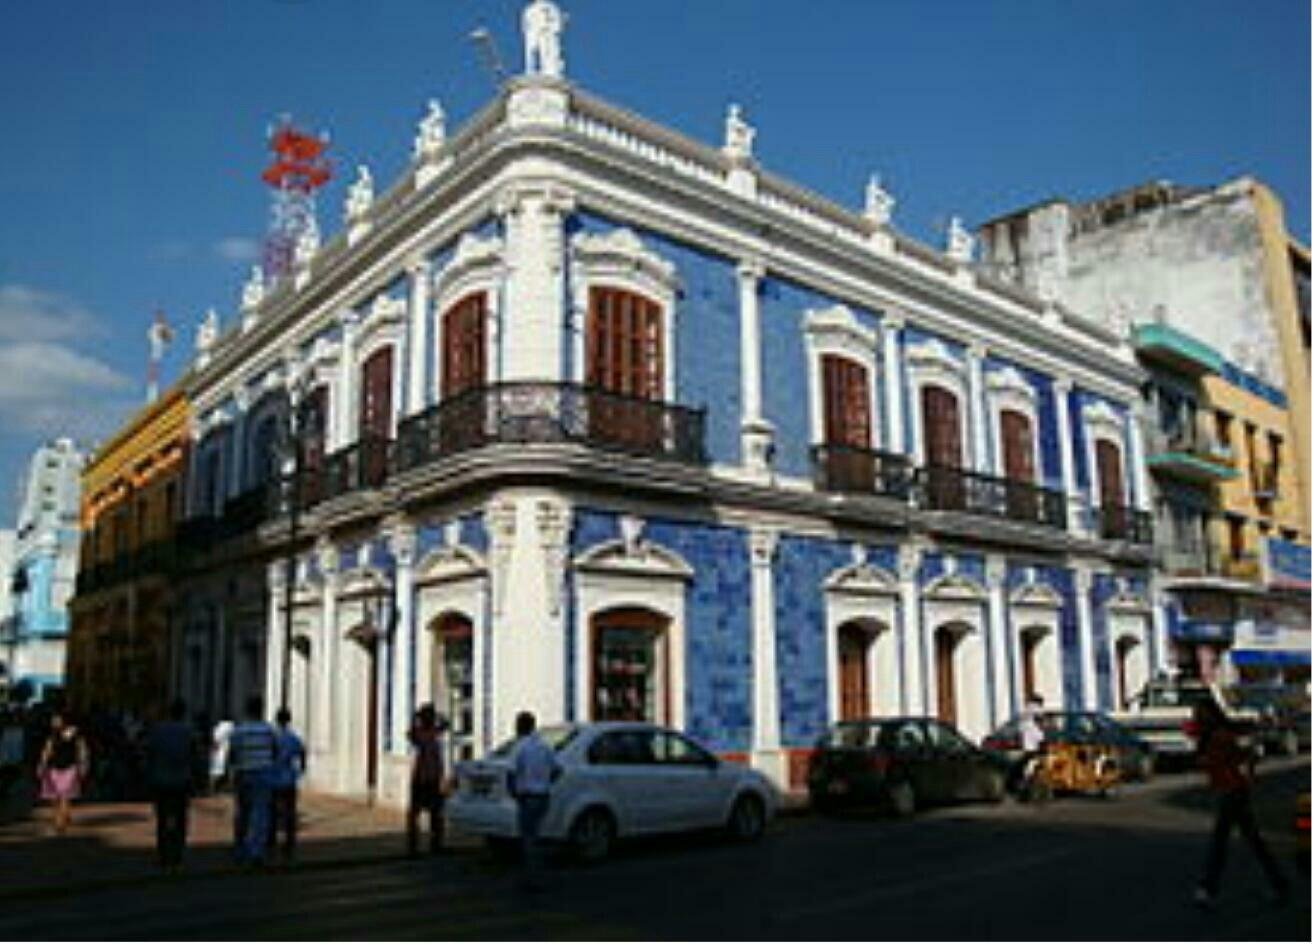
x: 134, y: 132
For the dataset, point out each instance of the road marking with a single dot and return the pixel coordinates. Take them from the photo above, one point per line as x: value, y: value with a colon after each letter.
x: 879, y: 892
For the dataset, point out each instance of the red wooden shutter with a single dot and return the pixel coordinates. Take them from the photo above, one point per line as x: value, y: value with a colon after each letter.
x: 1019, y: 453
x: 942, y: 435
x: 375, y: 415
x: 855, y: 697
x: 946, y: 702
x: 624, y: 344
x: 1108, y: 459
x: 847, y: 401
x: 464, y: 357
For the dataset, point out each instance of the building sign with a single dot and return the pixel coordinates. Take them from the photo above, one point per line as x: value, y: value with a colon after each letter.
x: 1286, y: 564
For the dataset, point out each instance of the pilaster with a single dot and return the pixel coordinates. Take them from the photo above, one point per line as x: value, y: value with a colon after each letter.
x: 767, y: 756
x: 325, y: 664
x: 756, y: 433
x: 891, y: 350
x: 1003, y: 682
x: 976, y: 396
x: 418, y: 341
x: 910, y: 561
x: 344, y: 428
x: 276, y: 577
x: 1067, y: 465
x: 402, y: 544
x: 1082, y: 583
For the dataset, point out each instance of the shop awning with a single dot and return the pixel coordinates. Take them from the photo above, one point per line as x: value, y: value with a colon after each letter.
x: 1256, y: 656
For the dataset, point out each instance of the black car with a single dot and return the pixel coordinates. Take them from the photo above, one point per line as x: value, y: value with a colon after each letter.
x: 1135, y: 756
x: 901, y: 764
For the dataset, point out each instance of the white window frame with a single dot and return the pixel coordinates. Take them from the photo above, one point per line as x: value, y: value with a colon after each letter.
x: 932, y: 363
x: 1008, y: 390
x: 478, y: 266
x: 1102, y: 422
x: 836, y: 331
x: 864, y: 593
x: 383, y: 324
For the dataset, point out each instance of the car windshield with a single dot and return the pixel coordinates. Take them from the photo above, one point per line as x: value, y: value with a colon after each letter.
x: 557, y: 737
x: 852, y: 734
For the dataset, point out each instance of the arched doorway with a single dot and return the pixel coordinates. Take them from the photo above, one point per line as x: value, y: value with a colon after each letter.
x: 452, y: 675
x: 961, y: 687
x: 854, y: 650
x: 362, y: 669
x: 1130, y: 667
x: 630, y: 674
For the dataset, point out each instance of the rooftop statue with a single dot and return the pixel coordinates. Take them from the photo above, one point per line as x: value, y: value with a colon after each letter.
x: 307, y: 245
x: 431, y: 134
x: 207, y: 333
x: 879, y: 206
x: 253, y: 291
x: 542, y: 23
x: 361, y: 194
x: 739, y: 134
x: 962, y: 245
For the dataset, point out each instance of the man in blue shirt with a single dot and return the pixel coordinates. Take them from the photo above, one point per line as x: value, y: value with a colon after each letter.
x: 251, y: 757
x: 533, y: 765
x: 289, y: 765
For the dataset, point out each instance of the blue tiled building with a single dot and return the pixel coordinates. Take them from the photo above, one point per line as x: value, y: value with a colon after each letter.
x: 605, y: 422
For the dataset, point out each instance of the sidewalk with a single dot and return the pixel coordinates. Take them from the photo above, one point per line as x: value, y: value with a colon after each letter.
x: 114, y: 843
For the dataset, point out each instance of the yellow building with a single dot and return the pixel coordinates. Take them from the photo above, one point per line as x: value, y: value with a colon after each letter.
x: 132, y: 492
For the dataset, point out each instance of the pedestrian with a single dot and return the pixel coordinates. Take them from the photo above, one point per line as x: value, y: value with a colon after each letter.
x: 1031, y: 736
x: 251, y: 760
x: 1231, y: 772
x: 170, y: 751
x: 62, y: 768
x: 533, y: 766
x: 289, y: 765
x: 219, y: 746
x: 428, y: 773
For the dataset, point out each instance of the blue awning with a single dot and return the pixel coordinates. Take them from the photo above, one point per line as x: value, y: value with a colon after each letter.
x: 1250, y: 656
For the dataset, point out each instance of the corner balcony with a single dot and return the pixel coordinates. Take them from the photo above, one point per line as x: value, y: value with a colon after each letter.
x: 1167, y: 346
x: 511, y: 413
x: 852, y: 470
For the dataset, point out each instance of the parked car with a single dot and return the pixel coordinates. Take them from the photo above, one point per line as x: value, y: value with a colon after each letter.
x: 1135, y: 754
x: 1161, y: 715
x: 1283, y: 710
x: 616, y: 780
x: 902, y: 764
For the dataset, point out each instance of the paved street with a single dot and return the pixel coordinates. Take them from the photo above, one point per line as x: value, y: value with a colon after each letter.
x: 1077, y: 869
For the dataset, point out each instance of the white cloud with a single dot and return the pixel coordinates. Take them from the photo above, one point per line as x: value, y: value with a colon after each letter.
x: 237, y: 249
x: 32, y: 315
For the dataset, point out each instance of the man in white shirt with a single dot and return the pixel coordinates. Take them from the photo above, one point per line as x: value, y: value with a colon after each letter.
x: 532, y: 767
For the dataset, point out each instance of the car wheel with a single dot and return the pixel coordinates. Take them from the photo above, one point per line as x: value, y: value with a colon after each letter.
x: 747, y: 818
x: 591, y: 835
x: 902, y: 799
x: 993, y: 787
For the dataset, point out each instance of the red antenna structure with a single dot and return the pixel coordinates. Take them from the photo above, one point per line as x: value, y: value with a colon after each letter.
x: 299, y: 168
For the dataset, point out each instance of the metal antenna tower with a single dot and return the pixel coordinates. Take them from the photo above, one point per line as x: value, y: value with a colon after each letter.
x: 299, y: 168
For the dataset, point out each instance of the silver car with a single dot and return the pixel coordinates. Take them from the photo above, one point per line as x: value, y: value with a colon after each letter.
x: 616, y: 779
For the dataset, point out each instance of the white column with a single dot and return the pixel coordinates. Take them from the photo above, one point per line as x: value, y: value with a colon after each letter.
x: 402, y: 544
x: 418, y: 342
x: 325, y: 663
x: 483, y: 741
x: 532, y: 346
x: 1003, y: 687
x: 277, y: 578
x: 1062, y: 388
x: 910, y: 560
x: 344, y: 429
x: 1085, y: 638
x: 1163, y: 659
x: 762, y: 543
x: 976, y: 395
x: 893, y: 374
x: 757, y: 435
x: 1136, y: 453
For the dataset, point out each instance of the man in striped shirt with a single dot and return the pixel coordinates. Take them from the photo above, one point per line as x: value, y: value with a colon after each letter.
x: 251, y: 758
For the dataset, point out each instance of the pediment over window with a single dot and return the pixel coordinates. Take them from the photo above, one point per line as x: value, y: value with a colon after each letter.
x: 1100, y: 417
x: 933, y: 355
x: 450, y: 563
x: 1127, y: 601
x: 634, y: 558
x: 475, y: 259
x: 1037, y: 595
x: 1008, y: 382
x: 955, y: 587
x: 621, y: 252
x: 862, y: 579
x: 836, y: 327
x: 363, y: 581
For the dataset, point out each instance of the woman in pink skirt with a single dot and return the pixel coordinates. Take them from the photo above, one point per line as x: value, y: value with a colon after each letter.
x: 62, y: 769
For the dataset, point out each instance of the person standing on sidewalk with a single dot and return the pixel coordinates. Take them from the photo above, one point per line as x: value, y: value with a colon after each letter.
x: 219, y: 747
x: 289, y: 765
x: 62, y: 769
x: 428, y: 772
x: 1231, y: 773
x: 170, y: 753
x: 251, y: 758
x: 532, y: 767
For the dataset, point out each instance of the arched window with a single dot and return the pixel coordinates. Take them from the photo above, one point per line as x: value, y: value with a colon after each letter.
x: 1018, y: 449
x: 630, y: 679
x: 624, y: 357
x: 375, y: 415
x: 846, y: 410
x: 942, y: 446
x: 855, y: 643
x: 464, y: 358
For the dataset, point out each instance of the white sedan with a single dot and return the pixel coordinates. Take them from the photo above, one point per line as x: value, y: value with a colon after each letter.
x: 616, y: 780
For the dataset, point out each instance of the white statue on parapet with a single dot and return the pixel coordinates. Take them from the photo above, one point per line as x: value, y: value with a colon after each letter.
x: 432, y: 132
x: 361, y: 194
x: 307, y: 245
x: 207, y: 334
x: 961, y: 244
x: 253, y: 291
x: 739, y: 135
x: 542, y: 23
x: 879, y: 205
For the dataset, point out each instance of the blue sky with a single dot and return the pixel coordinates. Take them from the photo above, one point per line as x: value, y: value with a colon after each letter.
x: 133, y: 131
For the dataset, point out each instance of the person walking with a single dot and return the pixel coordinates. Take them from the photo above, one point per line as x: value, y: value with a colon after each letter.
x: 428, y: 773
x: 1231, y: 773
x: 62, y: 768
x: 289, y: 765
x: 170, y: 752
x: 251, y: 759
x: 532, y: 767
x: 219, y: 747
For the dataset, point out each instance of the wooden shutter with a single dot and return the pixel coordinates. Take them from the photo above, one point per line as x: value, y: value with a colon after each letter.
x: 855, y: 697
x: 464, y: 356
x: 847, y: 400
x: 1019, y: 465
x: 625, y: 344
x: 375, y: 416
x: 1108, y: 459
x: 944, y: 676
x: 943, y: 446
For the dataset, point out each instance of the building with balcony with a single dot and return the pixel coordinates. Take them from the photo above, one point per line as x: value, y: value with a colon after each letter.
x: 585, y: 417
x: 41, y: 573
x: 1213, y: 294
x: 132, y: 487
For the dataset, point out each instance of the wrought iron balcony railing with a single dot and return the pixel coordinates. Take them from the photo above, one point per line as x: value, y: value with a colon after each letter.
x: 847, y: 469
x: 1123, y: 523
